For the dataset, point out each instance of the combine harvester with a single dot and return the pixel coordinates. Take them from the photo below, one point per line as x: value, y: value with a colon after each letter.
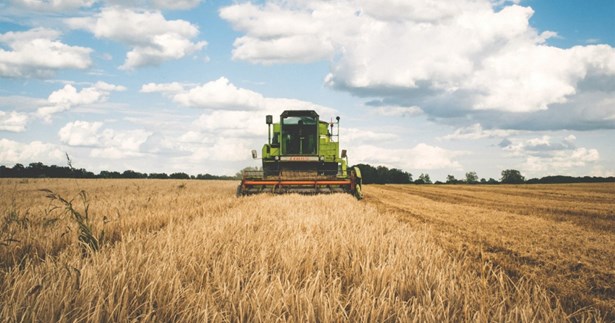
x: 302, y: 156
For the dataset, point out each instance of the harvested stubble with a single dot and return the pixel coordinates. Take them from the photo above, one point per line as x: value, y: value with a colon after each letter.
x: 211, y: 257
x: 560, y: 236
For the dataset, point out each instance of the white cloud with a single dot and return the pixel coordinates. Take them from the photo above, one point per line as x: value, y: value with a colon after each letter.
x: 561, y: 162
x: 221, y: 94
x: 232, y: 124
x: 68, y: 97
x: 54, y: 5
x: 448, y: 57
x: 152, y: 38
x: 361, y: 136
x: 219, y: 149
x: 13, y: 121
x: 80, y: 133
x: 176, y: 4
x: 397, y: 111
x: 167, y: 88
x: 476, y: 131
x: 277, y: 35
x: 548, y: 155
x: 38, y: 53
x: 105, y: 142
x: 12, y: 152
x: 159, y: 4
x: 233, y: 116
x: 421, y: 156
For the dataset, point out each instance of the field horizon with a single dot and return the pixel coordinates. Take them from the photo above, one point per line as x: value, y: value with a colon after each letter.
x: 190, y: 250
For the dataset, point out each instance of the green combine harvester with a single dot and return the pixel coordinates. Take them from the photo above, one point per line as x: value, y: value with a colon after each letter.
x: 302, y: 156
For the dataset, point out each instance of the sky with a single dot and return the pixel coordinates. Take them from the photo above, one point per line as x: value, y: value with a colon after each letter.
x: 435, y: 87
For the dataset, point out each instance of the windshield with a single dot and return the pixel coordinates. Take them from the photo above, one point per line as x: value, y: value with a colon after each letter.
x: 299, y: 135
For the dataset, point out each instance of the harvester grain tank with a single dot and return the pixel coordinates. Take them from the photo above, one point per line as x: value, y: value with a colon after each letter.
x: 302, y: 156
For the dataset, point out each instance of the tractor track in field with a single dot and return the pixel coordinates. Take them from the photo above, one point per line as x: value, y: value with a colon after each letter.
x: 571, y: 260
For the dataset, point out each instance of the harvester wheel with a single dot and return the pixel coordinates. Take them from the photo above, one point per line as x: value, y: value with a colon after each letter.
x: 357, y: 192
x: 239, y: 191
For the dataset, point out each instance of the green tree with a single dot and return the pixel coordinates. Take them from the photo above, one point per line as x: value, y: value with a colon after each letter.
x: 512, y: 176
x: 179, y: 175
x: 450, y: 179
x: 423, y: 179
x: 471, y: 178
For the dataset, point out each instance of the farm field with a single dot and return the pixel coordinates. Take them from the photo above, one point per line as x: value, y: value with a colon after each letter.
x: 169, y: 250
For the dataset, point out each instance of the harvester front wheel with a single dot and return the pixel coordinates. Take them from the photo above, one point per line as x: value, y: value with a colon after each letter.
x: 357, y: 192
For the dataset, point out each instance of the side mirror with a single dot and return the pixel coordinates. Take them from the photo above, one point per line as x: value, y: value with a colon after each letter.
x: 269, y: 119
x: 344, y: 154
x: 254, y: 154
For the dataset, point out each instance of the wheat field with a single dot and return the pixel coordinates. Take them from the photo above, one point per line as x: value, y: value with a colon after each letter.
x: 172, y: 250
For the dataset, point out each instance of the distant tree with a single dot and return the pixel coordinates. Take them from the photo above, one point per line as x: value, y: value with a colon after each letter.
x: 158, y: 175
x: 179, y: 176
x: 450, y: 179
x: 397, y: 176
x: 5, y: 171
x: 383, y: 175
x: 19, y: 170
x: 36, y: 170
x: 423, y: 179
x: 483, y: 181
x: 492, y: 181
x: 109, y: 174
x: 471, y: 178
x: 133, y: 174
x: 370, y: 174
x: 512, y: 176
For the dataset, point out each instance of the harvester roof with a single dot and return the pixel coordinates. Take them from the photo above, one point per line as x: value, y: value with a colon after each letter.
x: 299, y: 113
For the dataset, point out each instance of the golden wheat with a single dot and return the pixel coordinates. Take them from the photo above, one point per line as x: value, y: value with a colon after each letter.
x: 561, y: 236
x: 191, y: 251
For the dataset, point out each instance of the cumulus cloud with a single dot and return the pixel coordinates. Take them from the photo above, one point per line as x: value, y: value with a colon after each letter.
x: 221, y: 94
x: 397, y: 111
x: 68, y: 97
x: 451, y: 58
x: 476, y: 131
x: 166, y: 88
x: 12, y: 152
x: 13, y: 121
x: 105, y: 142
x: 176, y: 4
x: 53, y: 5
x: 152, y: 38
x: 80, y: 133
x: 159, y: 4
x: 421, y: 156
x: 364, y: 136
x: 38, y: 53
x: 233, y: 121
x: 548, y: 155
x: 277, y: 35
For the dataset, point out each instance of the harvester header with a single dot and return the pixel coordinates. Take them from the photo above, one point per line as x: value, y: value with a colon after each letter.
x: 302, y: 156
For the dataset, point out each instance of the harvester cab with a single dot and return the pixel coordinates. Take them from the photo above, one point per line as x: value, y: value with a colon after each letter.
x: 302, y: 156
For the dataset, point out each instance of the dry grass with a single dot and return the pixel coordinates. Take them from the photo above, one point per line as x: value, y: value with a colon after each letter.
x: 191, y: 251
x: 561, y: 236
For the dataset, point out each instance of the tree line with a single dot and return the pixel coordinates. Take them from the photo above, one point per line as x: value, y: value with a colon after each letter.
x: 40, y: 170
x: 384, y: 175
x: 370, y: 174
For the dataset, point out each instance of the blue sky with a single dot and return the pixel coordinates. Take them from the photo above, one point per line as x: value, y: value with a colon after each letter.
x: 437, y: 87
